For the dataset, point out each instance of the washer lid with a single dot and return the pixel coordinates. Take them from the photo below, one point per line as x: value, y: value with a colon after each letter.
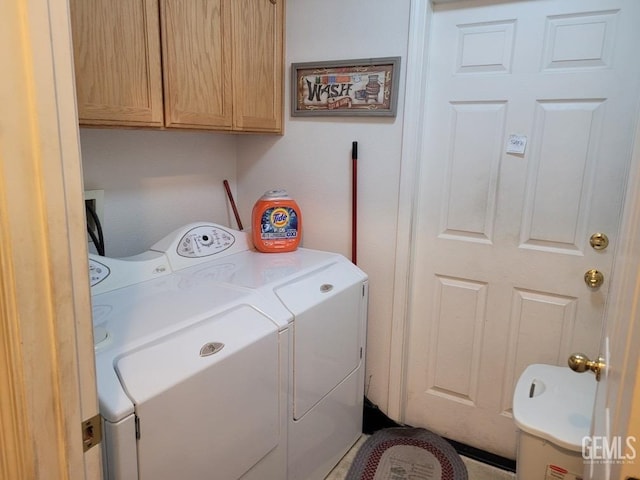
x: 162, y: 365
x: 140, y: 313
x: 554, y: 403
x: 146, y: 313
x: 202, y: 393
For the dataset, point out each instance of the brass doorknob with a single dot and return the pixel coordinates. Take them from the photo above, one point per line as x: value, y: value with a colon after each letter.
x: 593, y: 278
x: 579, y: 362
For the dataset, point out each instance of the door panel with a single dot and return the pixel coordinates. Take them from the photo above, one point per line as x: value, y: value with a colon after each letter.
x: 117, y: 62
x: 258, y: 45
x: 201, y: 96
x: 502, y: 236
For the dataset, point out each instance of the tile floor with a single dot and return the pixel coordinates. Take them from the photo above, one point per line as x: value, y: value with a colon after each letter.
x: 477, y: 470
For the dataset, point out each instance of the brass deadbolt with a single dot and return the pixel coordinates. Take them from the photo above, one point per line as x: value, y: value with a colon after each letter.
x: 599, y: 241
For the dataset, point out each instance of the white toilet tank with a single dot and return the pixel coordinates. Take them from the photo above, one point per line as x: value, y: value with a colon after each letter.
x: 552, y: 407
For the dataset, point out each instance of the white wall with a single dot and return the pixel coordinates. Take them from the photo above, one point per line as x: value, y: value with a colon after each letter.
x: 313, y: 159
x: 156, y: 181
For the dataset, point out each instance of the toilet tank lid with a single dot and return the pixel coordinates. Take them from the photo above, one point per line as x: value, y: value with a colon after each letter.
x: 554, y: 403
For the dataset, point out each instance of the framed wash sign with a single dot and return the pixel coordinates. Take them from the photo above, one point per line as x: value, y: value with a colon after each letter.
x: 345, y: 87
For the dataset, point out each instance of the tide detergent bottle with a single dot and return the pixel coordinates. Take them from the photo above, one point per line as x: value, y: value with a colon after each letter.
x: 276, y: 222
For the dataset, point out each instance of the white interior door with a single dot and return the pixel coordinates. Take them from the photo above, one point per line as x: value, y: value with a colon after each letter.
x: 614, y: 446
x: 502, y: 229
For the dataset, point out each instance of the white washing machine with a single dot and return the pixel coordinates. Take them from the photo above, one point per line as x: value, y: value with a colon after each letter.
x: 278, y: 393
x: 190, y: 379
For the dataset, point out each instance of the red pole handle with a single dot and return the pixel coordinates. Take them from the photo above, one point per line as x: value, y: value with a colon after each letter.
x: 233, y: 205
x: 354, y: 202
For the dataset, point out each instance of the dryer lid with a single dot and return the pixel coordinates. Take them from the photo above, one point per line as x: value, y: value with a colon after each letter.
x: 329, y: 307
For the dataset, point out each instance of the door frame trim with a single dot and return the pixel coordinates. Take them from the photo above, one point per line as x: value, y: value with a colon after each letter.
x: 413, y: 119
x: 46, y: 330
x: 623, y: 303
x: 418, y: 63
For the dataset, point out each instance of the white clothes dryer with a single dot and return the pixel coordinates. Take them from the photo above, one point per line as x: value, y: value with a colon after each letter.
x: 300, y: 314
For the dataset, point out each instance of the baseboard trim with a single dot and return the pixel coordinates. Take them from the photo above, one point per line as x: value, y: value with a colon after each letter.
x: 483, y: 456
x: 374, y: 419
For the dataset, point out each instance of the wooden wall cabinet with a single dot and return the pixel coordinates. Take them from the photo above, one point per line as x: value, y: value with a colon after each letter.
x: 199, y: 64
x: 116, y: 48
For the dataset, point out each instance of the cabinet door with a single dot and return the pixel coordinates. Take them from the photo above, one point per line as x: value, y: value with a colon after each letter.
x: 117, y: 62
x: 258, y: 51
x: 197, y: 63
